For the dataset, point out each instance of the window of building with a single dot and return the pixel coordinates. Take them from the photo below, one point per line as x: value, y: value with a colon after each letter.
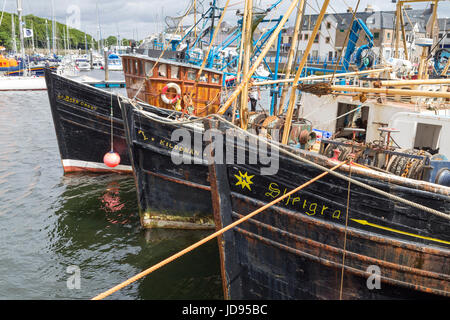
x: 306, y: 36
x: 376, y: 35
x: 328, y: 25
x: 388, y: 35
x: 327, y: 39
x: 316, y: 39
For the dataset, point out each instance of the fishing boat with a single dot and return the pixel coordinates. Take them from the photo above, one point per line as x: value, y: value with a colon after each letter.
x: 170, y: 196
x: 8, y: 64
x: 21, y: 76
x: 83, y: 125
x: 82, y: 64
x: 325, y: 227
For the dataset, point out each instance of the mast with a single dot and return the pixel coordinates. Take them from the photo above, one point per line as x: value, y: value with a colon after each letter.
x: 430, y: 31
x: 241, y: 54
x: 32, y: 35
x: 290, y: 111
x: 85, y: 42
x: 19, y: 12
x: 259, y: 59
x: 213, y: 15
x: 297, y: 30
x: 99, y: 30
x: 68, y: 37
x: 53, y: 29
x: 46, y: 36
x: 13, y: 31
x: 247, y: 35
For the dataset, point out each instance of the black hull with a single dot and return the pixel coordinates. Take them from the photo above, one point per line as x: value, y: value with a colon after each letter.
x: 81, y: 115
x: 169, y: 195
x: 295, y: 249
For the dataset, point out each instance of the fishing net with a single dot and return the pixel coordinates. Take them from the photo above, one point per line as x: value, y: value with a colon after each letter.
x: 318, y: 89
x: 173, y: 22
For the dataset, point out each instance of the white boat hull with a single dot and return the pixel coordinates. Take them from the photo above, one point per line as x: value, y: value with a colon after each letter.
x: 115, y: 68
x: 22, y: 83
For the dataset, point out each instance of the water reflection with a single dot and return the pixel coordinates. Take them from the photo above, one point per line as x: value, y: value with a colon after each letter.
x: 98, y: 230
x: 50, y: 221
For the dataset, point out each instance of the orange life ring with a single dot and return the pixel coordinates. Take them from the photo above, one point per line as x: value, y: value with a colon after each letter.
x: 164, y: 91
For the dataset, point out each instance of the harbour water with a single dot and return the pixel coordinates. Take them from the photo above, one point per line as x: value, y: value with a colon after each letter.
x: 54, y: 226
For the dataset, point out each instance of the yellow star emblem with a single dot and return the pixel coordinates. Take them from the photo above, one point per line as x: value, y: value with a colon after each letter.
x: 244, y: 180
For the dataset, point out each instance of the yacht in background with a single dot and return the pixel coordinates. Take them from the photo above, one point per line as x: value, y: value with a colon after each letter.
x: 114, y: 63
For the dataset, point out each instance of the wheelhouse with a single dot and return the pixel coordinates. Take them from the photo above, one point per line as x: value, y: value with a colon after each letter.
x: 172, y: 85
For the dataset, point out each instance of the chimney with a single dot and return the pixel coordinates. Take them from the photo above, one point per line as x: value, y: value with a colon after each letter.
x: 349, y: 9
x: 369, y: 8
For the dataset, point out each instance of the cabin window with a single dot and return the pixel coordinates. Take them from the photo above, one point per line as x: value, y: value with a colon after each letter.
x: 215, y: 78
x: 162, y: 70
x: 135, y: 67
x: 174, y: 72
x: 203, y: 77
x: 148, y: 69
x: 427, y: 136
x: 141, y: 72
x: 191, y: 74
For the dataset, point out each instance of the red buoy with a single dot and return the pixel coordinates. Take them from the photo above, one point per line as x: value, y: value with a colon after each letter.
x: 111, y: 159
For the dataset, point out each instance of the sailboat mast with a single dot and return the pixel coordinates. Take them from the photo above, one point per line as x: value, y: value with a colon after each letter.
x: 13, y: 31
x: 85, y: 42
x: 53, y: 29
x: 68, y: 37
x: 32, y: 36
x: 46, y: 36
x: 19, y: 12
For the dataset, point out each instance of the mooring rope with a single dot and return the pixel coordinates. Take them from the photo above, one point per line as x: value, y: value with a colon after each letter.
x: 210, y: 237
x: 345, y: 230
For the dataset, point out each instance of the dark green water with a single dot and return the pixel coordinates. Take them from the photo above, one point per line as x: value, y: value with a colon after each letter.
x: 50, y: 221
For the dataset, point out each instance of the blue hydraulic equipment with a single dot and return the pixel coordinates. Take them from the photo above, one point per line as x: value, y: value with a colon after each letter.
x: 362, y: 62
x: 441, y: 58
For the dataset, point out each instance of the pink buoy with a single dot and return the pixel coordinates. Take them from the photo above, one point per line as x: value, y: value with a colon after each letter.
x: 111, y: 159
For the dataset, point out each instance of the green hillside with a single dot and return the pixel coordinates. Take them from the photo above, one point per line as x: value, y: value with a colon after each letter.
x: 77, y: 39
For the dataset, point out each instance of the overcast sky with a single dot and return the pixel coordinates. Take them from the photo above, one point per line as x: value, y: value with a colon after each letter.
x: 143, y: 17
